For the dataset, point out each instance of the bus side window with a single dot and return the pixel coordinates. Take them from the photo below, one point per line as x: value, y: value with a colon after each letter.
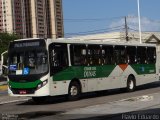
x: 141, y: 55
x: 94, y: 55
x: 151, y: 55
x: 131, y: 55
x: 119, y: 54
x: 78, y: 55
x: 107, y: 55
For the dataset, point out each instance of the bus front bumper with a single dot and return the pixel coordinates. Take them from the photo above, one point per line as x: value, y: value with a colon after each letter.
x: 33, y: 92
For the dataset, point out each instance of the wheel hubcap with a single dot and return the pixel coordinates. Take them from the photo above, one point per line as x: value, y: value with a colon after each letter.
x: 74, y: 90
x: 131, y: 85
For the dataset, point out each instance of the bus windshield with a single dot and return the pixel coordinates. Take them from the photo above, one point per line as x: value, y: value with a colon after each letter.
x: 28, y: 62
x: 28, y: 57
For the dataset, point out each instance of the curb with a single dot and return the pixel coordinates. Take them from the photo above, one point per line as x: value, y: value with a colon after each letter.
x: 3, y: 88
x: 7, y: 102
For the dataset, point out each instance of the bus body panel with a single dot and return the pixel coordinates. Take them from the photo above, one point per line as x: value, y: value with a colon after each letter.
x: 42, y: 91
x: 59, y: 87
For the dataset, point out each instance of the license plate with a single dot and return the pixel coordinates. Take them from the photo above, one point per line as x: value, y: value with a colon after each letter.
x: 22, y: 92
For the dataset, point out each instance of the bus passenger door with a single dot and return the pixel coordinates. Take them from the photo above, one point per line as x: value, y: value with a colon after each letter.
x: 59, y: 73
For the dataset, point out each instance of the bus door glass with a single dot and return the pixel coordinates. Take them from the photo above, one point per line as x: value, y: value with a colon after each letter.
x: 58, y: 57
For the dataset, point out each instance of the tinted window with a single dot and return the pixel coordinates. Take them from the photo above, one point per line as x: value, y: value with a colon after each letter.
x: 58, y: 57
x: 151, y: 55
x: 78, y: 55
x: 107, y: 55
x: 141, y: 55
x: 119, y: 54
x: 94, y: 55
x: 131, y: 55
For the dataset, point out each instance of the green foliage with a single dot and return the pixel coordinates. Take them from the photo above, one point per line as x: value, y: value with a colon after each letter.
x: 5, y: 39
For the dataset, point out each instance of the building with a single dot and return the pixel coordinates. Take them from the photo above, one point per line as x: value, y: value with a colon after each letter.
x: 147, y: 37
x: 1, y: 17
x: 32, y: 18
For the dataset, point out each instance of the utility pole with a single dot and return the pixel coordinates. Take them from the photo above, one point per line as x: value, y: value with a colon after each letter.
x: 139, y: 20
x: 126, y: 29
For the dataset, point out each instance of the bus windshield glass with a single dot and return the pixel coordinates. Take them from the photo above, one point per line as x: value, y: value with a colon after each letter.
x: 29, y: 60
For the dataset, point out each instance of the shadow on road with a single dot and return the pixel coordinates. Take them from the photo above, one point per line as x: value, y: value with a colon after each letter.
x: 50, y: 100
x: 150, y: 114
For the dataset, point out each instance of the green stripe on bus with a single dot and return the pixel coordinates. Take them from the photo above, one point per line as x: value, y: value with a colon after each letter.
x: 84, y: 72
x: 144, y: 68
x: 24, y: 85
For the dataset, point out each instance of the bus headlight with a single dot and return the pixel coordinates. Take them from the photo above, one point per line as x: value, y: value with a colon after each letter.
x: 42, y: 84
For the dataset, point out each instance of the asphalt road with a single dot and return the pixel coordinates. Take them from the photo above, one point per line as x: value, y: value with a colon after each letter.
x: 27, y: 109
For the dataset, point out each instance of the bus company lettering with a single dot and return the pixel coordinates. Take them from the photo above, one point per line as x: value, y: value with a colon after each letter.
x: 89, y: 72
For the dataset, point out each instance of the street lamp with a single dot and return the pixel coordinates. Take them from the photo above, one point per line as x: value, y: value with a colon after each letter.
x: 139, y: 21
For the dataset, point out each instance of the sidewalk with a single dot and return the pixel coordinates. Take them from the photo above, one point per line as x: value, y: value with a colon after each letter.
x: 3, y: 87
x: 3, y: 84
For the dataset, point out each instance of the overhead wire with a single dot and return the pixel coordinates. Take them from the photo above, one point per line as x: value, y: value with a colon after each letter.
x: 90, y: 19
x: 96, y: 31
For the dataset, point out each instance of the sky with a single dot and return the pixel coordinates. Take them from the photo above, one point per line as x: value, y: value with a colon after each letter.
x: 96, y: 16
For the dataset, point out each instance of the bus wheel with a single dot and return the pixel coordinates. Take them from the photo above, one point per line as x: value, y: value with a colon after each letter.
x: 131, y: 84
x: 74, y: 91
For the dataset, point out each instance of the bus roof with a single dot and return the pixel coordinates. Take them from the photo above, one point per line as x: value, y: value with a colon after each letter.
x: 94, y: 41
x: 101, y: 42
x: 27, y: 39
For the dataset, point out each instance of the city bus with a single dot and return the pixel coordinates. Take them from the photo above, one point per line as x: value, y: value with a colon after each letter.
x: 40, y: 68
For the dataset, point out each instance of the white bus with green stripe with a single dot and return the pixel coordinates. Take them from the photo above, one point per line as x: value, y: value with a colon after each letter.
x: 46, y: 67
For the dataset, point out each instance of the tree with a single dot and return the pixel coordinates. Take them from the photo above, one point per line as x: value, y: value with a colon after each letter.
x: 5, y: 39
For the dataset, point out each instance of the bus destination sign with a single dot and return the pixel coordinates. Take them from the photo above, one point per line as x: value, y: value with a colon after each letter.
x: 27, y: 44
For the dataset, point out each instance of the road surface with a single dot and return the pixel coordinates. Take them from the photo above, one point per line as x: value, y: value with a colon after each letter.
x: 57, y: 108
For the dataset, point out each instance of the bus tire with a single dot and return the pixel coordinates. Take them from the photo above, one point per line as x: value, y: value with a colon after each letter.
x: 131, y: 84
x: 74, y: 91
